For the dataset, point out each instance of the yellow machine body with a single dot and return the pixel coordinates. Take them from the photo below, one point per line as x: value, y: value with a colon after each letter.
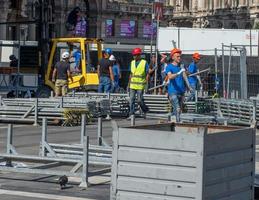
x: 83, y: 79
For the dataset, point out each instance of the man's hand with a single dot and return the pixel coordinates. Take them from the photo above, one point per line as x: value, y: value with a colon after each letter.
x: 181, y: 71
x: 53, y: 80
x: 201, y: 88
x: 113, y: 84
x: 71, y: 78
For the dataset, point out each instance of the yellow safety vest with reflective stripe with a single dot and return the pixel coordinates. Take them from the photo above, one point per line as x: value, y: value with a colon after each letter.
x: 138, y: 75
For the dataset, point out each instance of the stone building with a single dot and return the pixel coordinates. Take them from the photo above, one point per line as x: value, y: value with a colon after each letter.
x: 109, y: 19
x: 229, y: 14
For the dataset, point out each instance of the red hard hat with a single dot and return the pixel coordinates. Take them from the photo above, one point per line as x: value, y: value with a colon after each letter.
x: 175, y: 50
x: 196, y: 56
x: 136, y: 51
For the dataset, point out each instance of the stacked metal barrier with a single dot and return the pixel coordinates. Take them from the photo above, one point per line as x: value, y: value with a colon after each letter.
x: 54, y: 155
x: 235, y: 111
x: 31, y: 110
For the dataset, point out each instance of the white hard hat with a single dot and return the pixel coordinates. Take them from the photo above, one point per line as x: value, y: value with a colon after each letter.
x: 65, y: 55
x: 112, y: 58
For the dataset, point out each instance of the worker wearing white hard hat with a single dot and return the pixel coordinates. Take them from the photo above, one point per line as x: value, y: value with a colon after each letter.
x: 116, y: 74
x: 60, y: 75
x: 112, y: 58
x: 65, y: 55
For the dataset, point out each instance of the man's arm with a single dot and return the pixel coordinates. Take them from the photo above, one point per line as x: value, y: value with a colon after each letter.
x: 119, y: 71
x: 111, y: 73
x: 54, y: 73
x: 98, y: 70
x: 69, y: 75
x: 186, y: 81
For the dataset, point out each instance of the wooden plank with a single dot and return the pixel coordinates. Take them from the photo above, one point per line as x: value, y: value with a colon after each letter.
x: 160, y: 139
x: 229, y: 141
x: 228, y: 158
x: 156, y: 156
x: 226, y: 188
x: 228, y: 173
x: 162, y: 172
x: 160, y: 187
x: 247, y: 195
x: 124, y: 195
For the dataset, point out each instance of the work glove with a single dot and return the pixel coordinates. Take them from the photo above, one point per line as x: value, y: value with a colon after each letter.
x: 113, y: 84
x: 181, y: 71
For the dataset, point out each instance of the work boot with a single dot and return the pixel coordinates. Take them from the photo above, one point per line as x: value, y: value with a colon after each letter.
x: 173, y: 119
x: 130, y: 117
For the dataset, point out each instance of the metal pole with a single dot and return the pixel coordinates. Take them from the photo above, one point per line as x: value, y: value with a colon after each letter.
x: 151, y: 40
x: 223, y: 72
x: 108, y: 117
x: 36, y: 112
x: 9, y: 139
x: 84, y: 181
x: 83, y: 127
x: 229, y: 65
x: 216, y: 70
x: 9, y: 144
x: 254, y: 111
x: 132, y: 120
x: 100, y: 131
x: 251, y: 42
x: 44, y: 137
x: 61, y: 102
x: 243, y: 73
x: 157, y: 27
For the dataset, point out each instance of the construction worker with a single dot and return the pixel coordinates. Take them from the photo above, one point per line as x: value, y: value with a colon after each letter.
x: 60, y: 75
x: 177, y: 83
x: 139, y: 71
x: 195, y: 79
x: 105, y: 74
x: 165, y: 59
x: 116, y: 73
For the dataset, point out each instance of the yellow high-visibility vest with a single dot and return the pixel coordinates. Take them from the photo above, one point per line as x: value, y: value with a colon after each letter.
x: 138, y: 75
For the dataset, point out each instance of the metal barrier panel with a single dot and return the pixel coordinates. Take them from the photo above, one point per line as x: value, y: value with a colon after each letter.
x: 182, y: 161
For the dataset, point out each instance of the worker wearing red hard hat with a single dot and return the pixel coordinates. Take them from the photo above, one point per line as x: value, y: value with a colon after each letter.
x: 139, y: 70
x: 177, y: 83
x: 195, y: 79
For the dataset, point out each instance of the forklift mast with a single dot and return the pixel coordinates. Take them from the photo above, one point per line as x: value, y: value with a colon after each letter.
x: 45, y: 10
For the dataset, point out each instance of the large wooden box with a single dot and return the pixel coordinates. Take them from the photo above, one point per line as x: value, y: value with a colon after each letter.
x: 183, y: 162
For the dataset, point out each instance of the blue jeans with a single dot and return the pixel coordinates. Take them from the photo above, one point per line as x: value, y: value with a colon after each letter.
x: 140, y: 101
x: 104, y: 85
x: 116, y: 86
x: 191, y: 97
x: 177, y: 103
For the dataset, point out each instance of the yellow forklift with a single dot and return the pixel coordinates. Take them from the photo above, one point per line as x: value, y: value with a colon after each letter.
x: 86, y: 79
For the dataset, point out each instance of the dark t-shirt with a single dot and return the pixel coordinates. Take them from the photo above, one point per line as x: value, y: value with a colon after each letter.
x: 62, y: 68
x: 104, y: 67
x: 14, y: 63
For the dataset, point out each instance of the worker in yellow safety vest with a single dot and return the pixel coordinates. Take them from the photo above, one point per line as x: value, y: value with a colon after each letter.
x: 139, y: 71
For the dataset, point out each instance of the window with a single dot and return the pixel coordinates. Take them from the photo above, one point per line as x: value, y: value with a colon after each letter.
x: 14, y: 4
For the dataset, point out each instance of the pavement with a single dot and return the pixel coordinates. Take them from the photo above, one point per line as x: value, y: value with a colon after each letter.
x: 19, y: 186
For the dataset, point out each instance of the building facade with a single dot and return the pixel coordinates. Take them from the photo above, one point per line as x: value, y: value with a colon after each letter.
x: 126, y: 21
